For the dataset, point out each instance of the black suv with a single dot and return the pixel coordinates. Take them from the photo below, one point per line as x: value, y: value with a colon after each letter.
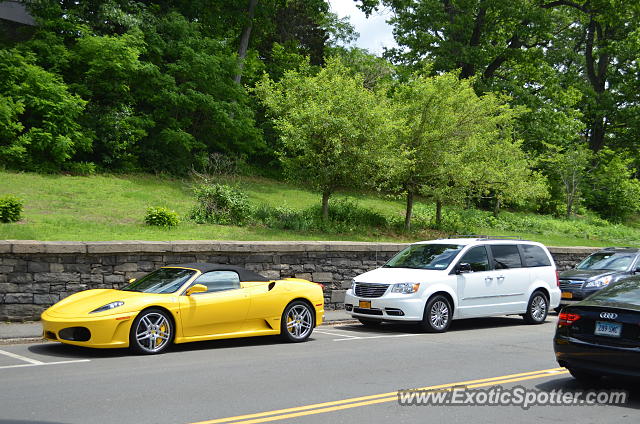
x: 598, y: 270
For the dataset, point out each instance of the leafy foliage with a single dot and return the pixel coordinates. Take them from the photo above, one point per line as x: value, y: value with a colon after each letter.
x: 220, y: 204
x: 38, y: 116
x: 10, y: 209
x: 330, y: 127
x: 161, y: 217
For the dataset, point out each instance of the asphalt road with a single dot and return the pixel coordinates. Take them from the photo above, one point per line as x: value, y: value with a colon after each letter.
x: 345, y: 374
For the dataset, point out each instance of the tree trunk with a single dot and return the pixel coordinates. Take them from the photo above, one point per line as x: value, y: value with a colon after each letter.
x: 597, y: 133
x: 438, y: 213
x: 244, y: 39
x: 409, y: 211
x: 496, y: 207
x: 325, y: 205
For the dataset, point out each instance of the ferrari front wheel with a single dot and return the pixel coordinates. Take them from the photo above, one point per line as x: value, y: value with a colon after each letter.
x: 297, y: 321
x: 151, y: 332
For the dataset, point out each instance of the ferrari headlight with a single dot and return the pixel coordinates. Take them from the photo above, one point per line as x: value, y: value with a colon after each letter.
x: 405, y: 288
x: 108, y: 306
x: 599, y: 283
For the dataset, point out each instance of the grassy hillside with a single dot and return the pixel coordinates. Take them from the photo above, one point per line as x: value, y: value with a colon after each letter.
x: 106, y: 207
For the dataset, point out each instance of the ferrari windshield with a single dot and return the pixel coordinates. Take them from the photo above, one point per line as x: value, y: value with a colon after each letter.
x: 610, y: 261
x: 163, y: 280
x: 425, y: 256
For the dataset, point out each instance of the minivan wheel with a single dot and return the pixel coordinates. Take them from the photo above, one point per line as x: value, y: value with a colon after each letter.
x: 437, y: 315
x: 537, y: 308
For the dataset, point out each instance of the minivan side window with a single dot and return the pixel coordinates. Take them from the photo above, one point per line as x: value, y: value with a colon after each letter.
x: 478, y: 259
x: 506, y: 256
x: 534, y: 256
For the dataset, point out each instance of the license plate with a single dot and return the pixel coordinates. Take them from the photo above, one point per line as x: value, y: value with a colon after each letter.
x: 365, y: 304
x: 567, y: 295
x: 609, y: 329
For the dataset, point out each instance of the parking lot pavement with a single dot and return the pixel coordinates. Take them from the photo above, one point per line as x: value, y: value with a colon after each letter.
x: 345, y: 373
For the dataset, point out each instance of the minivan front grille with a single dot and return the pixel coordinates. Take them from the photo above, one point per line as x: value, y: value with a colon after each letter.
x: 370, y: 290
x: 570, y: 284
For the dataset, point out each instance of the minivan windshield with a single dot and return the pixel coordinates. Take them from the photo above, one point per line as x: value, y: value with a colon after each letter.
x: 608, y: 260
x: 425, y: 256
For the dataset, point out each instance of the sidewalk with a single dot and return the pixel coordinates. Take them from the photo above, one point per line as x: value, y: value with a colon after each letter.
x: 33, y: 330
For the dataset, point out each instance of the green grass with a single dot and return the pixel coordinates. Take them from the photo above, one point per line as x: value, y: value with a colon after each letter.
x: 112, y: 207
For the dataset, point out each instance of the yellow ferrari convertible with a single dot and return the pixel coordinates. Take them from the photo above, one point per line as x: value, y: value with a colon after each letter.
x: 186, y: 303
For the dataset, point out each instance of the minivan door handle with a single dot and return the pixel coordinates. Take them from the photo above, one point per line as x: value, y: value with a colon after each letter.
x: 500, y: 278
x: 488, y: 279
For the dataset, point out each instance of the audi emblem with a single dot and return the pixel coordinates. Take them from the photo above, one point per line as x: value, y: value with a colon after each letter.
x: 608, y: 315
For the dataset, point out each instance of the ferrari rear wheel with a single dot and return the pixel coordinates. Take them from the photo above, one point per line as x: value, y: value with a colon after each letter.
x: 297, y: 321
x: 151, y: 332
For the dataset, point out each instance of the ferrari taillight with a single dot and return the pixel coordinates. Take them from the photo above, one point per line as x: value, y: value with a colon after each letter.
x: 566, y: 319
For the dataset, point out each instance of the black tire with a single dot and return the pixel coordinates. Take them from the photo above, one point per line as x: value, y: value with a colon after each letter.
x: 584, y: 377
x: 151, y: 332
x: 298, y: 321
x: 437, y: 315
x: 537, y: 308
x: 372, y: 323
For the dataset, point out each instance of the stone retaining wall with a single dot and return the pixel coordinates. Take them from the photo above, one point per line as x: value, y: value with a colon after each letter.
x: 34, y: 275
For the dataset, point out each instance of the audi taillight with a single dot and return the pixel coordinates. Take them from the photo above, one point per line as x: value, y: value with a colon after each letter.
x: 567, y: 319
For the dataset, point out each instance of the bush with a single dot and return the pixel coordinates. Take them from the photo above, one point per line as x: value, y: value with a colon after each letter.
x: 81, y: 168
x: 161, y: 217
x: 345, y: 215
x: 10, y: 209
x: 220, y: 204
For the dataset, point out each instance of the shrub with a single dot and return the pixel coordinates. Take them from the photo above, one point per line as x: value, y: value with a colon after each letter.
x: 161, y: 217
x: 220, y: 204
x: 81, y: 168
x: 10, y: 209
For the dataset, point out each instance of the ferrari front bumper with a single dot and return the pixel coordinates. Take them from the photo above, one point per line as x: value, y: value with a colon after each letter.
x: 110, y: 331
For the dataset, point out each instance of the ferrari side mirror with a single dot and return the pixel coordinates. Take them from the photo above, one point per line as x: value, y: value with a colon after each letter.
x: 196, y: 288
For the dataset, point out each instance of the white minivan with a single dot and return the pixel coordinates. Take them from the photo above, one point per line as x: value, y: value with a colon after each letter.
x: 435, y: 282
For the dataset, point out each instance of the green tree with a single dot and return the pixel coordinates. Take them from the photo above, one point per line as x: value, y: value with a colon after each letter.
x: 38, y: 116
x: 451, y: 143
x: 330, y: 127
x: 570, y: 167
x: 612, y: 191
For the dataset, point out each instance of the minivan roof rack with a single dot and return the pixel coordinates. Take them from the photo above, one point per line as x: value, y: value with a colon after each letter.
x: 484, y: 237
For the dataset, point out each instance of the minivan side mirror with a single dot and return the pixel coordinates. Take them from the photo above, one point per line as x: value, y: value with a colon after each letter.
x: 463, y: 268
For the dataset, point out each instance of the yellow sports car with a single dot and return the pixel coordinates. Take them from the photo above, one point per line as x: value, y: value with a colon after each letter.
x: 186, y: 303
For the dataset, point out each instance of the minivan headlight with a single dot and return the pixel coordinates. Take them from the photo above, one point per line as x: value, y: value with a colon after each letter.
x: 405, y: 288
x: 599, y: 283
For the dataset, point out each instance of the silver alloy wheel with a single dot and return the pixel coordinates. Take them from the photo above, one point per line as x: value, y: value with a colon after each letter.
x: 299, y: 321
x: 539, y: 307
x: 153, y: 332
x: 439, y: 315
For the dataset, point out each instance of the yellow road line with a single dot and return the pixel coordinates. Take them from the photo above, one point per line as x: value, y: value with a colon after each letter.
x: 355, y: 402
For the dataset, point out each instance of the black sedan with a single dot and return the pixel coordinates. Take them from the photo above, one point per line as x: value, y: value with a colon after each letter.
x: 600, y: 336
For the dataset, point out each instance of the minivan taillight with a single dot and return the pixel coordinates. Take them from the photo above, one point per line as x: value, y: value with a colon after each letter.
x: 566, y: 319
x: 557, y: 278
